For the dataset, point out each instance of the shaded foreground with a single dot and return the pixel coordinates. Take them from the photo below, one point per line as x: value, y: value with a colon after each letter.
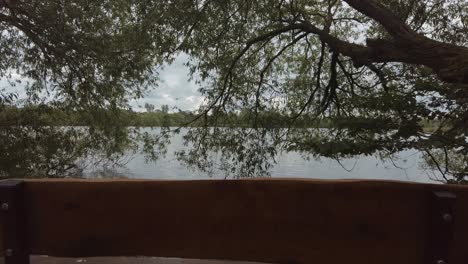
x: 263, y: 220
x: 127, y: 260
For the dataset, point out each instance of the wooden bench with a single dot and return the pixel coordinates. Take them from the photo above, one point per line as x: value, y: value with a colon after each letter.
x: 274, y: 221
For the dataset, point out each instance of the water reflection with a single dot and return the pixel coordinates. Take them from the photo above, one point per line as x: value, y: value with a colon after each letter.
x: 403, y: 166
x: 91, y: 157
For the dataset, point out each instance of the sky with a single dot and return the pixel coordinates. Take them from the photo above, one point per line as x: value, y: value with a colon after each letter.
x: 174, y: 89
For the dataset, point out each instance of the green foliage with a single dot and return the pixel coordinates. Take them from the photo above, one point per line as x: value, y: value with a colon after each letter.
x: 41, y: 141
x: 85, y: 60
x: 261, y: 65
x: 256, y: 59
x: 453, y: 165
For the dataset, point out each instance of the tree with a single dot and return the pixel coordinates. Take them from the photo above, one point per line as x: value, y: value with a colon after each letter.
x: 164, y: 109
x: 149, y: 108
x: 34, y: 143
x: 378, y: 68
x: 86, y: 53
x: 375, y: 69
x: 78, y: 56
x: 452, y: 165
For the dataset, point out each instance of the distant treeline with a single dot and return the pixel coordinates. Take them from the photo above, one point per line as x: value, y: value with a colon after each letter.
x: 45, y: 115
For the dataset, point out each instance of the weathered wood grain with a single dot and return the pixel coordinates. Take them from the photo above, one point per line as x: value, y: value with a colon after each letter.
x: 276, y: 221
x: 128, y: 260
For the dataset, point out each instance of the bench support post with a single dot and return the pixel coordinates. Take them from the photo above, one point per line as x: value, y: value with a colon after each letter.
x: 13, y: 222
x: 440, y: 228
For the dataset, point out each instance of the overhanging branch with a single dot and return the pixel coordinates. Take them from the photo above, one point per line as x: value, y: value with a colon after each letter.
x: 393, y: 24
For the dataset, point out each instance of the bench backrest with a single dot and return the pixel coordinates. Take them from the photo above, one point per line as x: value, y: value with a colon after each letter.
x: 274, y: 221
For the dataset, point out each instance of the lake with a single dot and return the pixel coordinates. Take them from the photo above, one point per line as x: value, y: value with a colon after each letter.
x: 406, y: 166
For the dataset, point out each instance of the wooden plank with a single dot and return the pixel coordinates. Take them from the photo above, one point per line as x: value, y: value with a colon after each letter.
x: 129, y: 260
x: 275, y: 221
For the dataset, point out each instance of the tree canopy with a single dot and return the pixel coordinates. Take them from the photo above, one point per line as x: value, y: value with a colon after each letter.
x: 380, y: 68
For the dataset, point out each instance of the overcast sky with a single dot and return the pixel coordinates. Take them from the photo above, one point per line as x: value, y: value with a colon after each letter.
x: 174, y: 89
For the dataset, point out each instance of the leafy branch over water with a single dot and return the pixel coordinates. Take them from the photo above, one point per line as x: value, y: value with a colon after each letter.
x: 60, y: 141
x: 376, y: 73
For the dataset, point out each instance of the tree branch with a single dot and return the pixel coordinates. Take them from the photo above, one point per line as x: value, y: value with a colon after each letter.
x: 393, y: 24
x: 449, y: 62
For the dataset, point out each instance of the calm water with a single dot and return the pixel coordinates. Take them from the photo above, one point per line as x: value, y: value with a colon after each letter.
x: 406, y: 166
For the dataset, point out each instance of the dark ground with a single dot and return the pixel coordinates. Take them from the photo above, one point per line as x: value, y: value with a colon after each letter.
x: 125, y: 260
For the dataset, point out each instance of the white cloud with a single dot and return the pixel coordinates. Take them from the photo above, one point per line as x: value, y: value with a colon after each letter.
x: 16, y: 84
x: 174, y: 89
